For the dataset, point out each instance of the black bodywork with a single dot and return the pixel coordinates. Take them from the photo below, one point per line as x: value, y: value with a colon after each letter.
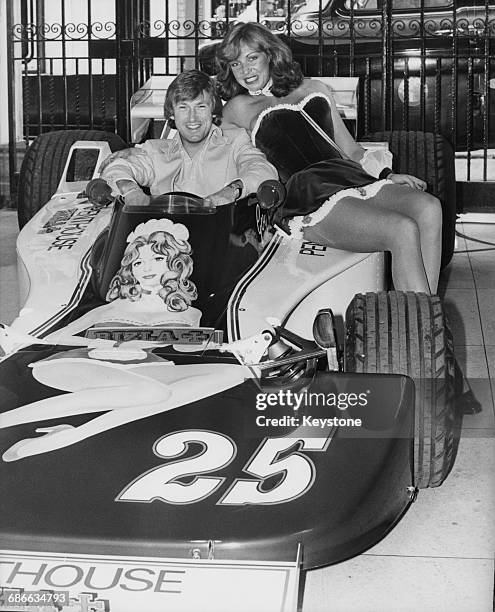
x: 66, y: 500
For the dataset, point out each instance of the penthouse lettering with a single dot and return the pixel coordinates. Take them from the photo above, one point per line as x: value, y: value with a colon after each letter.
x: 69, y: 235
x: 100, y: 578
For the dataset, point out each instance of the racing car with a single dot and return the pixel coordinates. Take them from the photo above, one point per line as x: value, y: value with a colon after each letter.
x: 286, y: 417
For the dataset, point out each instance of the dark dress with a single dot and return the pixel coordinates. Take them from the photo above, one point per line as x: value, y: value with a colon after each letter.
x: 311, y: 168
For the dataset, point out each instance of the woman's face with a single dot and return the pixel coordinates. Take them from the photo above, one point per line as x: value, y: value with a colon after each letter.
x: 251, y: 69
x: 149, y: 268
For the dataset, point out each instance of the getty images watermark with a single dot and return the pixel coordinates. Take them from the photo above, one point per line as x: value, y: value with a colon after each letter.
x: 285, y: 398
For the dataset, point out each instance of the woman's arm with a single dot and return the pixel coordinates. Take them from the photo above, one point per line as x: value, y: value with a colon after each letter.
x: 236, y: 113
x: 356, y: 152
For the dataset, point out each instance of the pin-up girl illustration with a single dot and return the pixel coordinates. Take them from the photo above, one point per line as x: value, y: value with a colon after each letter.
x: 152, y: 287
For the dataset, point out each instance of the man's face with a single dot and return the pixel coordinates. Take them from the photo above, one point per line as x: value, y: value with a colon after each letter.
x: 193, y: 118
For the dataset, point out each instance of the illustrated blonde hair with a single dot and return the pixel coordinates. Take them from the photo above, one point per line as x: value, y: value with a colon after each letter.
x: 177, y: 293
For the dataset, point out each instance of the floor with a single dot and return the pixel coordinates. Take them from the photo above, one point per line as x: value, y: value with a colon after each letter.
x: 440, y: 558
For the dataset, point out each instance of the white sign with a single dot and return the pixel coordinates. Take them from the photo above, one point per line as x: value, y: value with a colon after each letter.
x: 100, y: 583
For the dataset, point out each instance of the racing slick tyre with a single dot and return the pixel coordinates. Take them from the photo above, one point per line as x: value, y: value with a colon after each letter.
x: 429, y: 157
x: 406, y: 333
x: 44, y: 163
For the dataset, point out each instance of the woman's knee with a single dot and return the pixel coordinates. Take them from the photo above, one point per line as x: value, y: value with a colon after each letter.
x: 402, y: 233
x: 430, y: 211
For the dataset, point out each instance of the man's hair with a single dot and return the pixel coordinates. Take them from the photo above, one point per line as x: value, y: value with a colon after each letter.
x: 187, y: 86
x: 285, y: 73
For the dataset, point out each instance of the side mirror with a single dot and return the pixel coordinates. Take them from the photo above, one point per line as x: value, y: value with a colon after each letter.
x: 325, y: 335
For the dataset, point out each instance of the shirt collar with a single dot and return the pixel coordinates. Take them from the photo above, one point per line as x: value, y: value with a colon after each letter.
x: 216, y: 135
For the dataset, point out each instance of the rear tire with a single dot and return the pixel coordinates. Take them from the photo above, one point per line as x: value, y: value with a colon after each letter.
x: 44, y: 164
x: 429, y: 157
x: 406, y: 333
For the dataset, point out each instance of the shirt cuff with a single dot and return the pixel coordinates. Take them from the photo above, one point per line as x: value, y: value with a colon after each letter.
x: 374, y: 161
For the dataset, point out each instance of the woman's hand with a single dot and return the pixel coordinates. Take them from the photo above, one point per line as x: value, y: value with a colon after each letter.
x: 407, y: 179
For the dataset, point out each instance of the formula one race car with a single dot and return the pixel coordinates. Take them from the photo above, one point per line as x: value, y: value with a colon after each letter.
x: 189, y: 415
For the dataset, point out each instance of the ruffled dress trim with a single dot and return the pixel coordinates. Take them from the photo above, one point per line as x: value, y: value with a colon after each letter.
x: 298, y: 223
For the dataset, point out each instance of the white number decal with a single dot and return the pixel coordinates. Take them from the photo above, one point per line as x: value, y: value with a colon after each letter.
x: 295, y: 470
x: 297, y: 473
x: 218, y: 451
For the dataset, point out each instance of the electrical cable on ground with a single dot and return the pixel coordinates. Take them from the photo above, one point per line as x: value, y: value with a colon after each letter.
x: 466, y: 237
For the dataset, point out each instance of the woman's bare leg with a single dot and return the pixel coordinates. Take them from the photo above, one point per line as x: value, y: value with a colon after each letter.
x: 399, y: 219
x: 426, y: 210
x: 362, y: 226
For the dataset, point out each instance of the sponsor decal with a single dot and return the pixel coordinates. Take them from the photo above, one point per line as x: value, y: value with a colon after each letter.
x: 310, y: 248
x: 70, y: 224
x: 170, y: 335
x: 57, y: 221
x: 56, y: 582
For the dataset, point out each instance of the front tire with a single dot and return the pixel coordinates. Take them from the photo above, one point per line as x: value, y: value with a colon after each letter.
x: 406, y: 333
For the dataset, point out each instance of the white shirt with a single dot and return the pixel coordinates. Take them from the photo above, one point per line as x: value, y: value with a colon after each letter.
x: 164, y: 165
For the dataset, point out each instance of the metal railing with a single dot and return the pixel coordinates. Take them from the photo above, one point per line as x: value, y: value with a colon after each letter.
x: 430, y: 67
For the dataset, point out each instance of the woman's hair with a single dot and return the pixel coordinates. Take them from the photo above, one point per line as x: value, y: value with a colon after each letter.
x: 187, y: 86
x: 177, y: 292
x: 285, y: 73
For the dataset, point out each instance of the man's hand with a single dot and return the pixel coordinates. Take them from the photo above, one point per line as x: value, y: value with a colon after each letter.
x: 407, y: 179
x: 132, y: 193
x: 136, y: 197
x: 227, y: 195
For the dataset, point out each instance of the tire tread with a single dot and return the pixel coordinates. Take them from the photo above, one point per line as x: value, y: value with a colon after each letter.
x: 377, y: 325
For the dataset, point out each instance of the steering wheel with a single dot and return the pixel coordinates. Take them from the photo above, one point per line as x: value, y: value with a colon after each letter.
x: 270, y: 194
x: 181, y: 202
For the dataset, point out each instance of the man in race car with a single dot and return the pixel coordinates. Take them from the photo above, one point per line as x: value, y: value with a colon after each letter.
x: 220, y: 165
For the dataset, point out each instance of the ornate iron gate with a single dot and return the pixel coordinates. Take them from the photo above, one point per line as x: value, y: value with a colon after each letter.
x: 424, y: 64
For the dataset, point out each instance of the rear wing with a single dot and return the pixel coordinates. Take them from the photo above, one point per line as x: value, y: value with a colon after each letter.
x: 146, y: 104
